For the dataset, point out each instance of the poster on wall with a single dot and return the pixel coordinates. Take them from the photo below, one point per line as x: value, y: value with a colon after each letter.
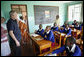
x: 45, y: 14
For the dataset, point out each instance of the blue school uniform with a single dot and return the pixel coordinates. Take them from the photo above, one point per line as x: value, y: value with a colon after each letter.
x: 50, y: 36
x: 81, y: 24
x: 63, y: 26
x: 77, y: 51
x: 78, y: 27
x: 74, y: 24
x: 54, y: 28
x: 40, y: 32
x: 68, y: 32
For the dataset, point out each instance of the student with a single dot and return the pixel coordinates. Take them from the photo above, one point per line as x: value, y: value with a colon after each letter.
x: 48, y: 35
x: 77, y: 26
x: 74, y: 23
x: 66, y: 30
x: 40, y: 30
x: 14, y: 33
x: 82, y: 24
x: 5, y: 48
x: 55, y: 27
x: 65, y: 23
x: 70, y: 47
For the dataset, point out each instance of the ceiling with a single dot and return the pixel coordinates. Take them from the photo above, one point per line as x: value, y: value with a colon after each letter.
x: 61, y: 1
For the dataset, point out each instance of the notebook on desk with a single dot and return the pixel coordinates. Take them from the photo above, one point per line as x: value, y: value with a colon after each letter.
x: 51, y: 54
x: 37, y: 39
x: 58, y: 32
x: 34, y: 35
x: 62, y: 34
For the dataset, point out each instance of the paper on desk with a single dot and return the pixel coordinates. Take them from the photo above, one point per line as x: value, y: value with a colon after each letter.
x: 58, y: 32
x: 72, y: 25
x: 51, y: 55
x: 62, y: 34
x: 74, y: 29
x: 38, y: 39
x: 34, y: 35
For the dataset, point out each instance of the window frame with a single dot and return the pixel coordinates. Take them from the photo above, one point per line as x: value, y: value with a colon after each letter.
x: 75, y: 12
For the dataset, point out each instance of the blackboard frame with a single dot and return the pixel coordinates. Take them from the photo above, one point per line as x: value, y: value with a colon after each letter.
x: 45, y: 20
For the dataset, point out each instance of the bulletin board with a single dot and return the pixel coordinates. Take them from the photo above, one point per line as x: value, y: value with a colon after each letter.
x: 45, y: 14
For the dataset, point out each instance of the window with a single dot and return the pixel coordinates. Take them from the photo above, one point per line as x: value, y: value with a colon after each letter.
x: 22, y: 13
x: 74, y: 12
x: 21, y: 10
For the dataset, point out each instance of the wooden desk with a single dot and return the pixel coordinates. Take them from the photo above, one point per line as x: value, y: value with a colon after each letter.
x: 61, y: 37
x: 40, y: 44
x: 79, y: 42
x: 76, y: 33
x: 57, y: 36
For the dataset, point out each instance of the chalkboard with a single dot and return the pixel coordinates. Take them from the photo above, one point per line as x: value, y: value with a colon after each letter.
x: 45, y: 14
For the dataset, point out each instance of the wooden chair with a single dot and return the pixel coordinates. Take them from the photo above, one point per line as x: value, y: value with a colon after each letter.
x: 76, y: 34
x: 80, y: 42
x: 82, y: 32
x: 57, y: 41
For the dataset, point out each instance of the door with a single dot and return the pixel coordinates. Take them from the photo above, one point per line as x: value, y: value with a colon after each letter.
x: 23, y: 23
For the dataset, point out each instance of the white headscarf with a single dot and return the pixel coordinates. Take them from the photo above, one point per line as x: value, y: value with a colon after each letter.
x: 4, y: 26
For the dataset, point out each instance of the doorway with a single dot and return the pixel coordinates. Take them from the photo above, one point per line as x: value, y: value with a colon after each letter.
x: 21, y: 9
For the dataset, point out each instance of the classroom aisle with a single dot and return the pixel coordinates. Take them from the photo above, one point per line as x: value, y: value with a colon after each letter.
x: 27, y: 49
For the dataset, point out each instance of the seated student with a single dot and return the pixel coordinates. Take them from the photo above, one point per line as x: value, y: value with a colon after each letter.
x: 65, y: 23
x: 77, y: 26
x: 48, y: 35
x: 40, y: 30
x: 82, y: 24
x: 66, y: 30
x: 55, y: 27
x: 70, y: 47
x: 74, y: 22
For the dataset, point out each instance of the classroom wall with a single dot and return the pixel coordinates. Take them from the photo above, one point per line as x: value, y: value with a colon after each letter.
x: 6, y: 7
x: 2, y: 13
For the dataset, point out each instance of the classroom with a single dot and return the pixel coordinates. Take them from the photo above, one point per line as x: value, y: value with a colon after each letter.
x: 41, y: 28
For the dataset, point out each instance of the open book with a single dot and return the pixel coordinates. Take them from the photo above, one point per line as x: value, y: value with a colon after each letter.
x: 51, y: 54
x: 62, y: 34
